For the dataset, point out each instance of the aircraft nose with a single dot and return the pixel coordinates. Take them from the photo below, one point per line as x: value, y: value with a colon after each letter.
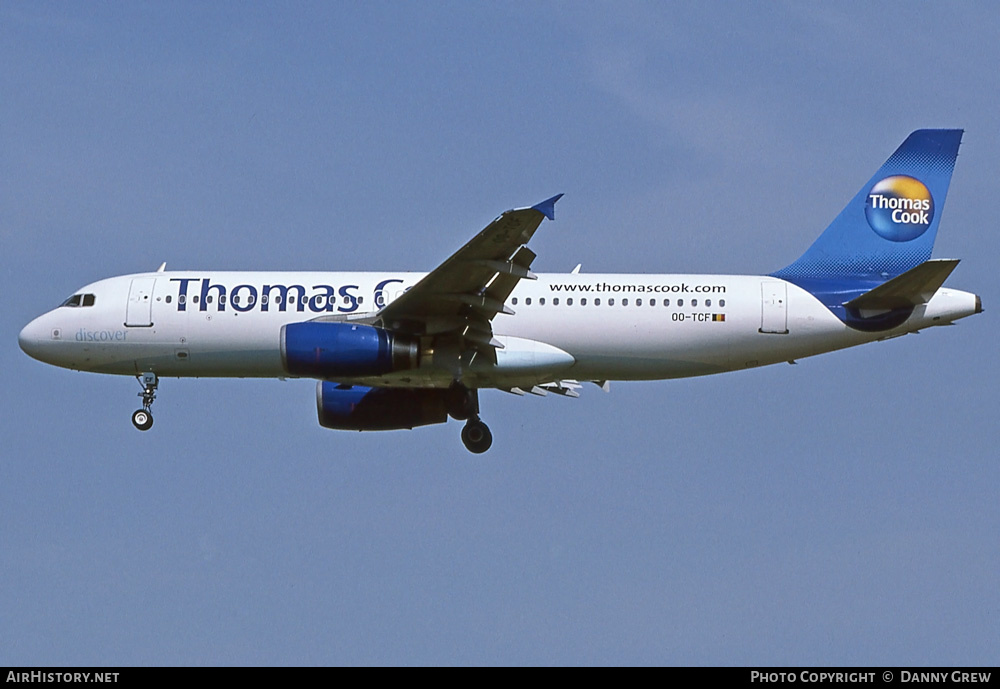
x: 31, y: 339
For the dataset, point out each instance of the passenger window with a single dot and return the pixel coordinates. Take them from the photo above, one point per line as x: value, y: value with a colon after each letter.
x: 694, y: 302
x: 583, y: 302
x: 638, y: 302
x: 169, y: 299
x: 528, y: 301
x: 181, y: 299
x: 208, y: 299
x: 236, y: 298
x: 680, y: 302
x: 542, y: 301
x: 708, y: 302
x: 666, y: 302
x: 555, y: 301
x: 624, y: 302
x: 263, y: 299
x: 361, y: 300
x: 222, y: 299
x: 597, y: 302
x: 722, y: 302
x: 611, y: 302
x: 652, y: 302
x: 514, y: 301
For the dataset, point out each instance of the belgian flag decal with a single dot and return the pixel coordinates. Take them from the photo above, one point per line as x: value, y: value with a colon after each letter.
x: 718, y: 317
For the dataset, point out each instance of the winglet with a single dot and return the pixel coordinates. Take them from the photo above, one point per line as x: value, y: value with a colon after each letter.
x: 548, y: 207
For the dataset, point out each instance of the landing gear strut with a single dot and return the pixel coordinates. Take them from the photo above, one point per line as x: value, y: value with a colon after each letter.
x: 463, y: 404
x: 143, y: 418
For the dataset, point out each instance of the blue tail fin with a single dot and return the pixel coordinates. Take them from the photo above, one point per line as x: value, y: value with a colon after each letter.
x: 890, y: 225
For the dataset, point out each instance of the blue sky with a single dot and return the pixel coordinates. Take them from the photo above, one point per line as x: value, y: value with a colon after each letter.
x: 842, y: 511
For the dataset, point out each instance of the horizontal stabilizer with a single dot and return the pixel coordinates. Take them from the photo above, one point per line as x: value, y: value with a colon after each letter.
x: 914, y: 287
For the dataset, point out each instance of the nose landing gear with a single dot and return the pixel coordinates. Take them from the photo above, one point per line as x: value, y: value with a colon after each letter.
x: 143, y: 418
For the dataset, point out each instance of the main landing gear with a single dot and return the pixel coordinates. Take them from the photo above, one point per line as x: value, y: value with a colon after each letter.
x: 143, y: 418
x: 476, y: 436
x: 463, y: 405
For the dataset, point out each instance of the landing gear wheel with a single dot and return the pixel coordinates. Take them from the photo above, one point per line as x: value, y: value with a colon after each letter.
x: 476, y: 436
x: 142, y: 419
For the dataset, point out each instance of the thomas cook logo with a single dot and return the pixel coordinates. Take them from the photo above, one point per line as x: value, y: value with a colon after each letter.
x: 899, y: 208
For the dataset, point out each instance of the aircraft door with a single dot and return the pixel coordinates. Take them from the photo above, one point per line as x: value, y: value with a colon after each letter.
x: 774, y: 307
x: 138, y: 313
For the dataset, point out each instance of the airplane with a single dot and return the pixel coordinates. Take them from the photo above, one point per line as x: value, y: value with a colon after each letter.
x: 394, y: 350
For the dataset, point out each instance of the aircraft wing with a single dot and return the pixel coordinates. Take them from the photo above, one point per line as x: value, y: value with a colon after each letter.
x: 462, y: 295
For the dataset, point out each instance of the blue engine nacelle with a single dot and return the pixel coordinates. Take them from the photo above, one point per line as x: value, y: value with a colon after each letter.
x: 360, y: 408
x: 344, y: 350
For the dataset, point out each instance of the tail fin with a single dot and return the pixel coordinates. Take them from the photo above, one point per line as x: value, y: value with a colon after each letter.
x: 890, y: 225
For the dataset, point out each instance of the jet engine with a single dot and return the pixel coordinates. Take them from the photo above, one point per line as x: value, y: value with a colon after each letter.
x: 333, y: 350
x: 361, y: 408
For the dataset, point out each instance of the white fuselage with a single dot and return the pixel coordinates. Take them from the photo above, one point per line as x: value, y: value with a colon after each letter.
x: 570, y: 326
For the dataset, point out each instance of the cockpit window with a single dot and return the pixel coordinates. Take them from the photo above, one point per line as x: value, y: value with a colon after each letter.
x: 80, y: 300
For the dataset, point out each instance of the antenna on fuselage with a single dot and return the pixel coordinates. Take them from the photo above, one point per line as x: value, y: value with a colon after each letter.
x: 163, y: 266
